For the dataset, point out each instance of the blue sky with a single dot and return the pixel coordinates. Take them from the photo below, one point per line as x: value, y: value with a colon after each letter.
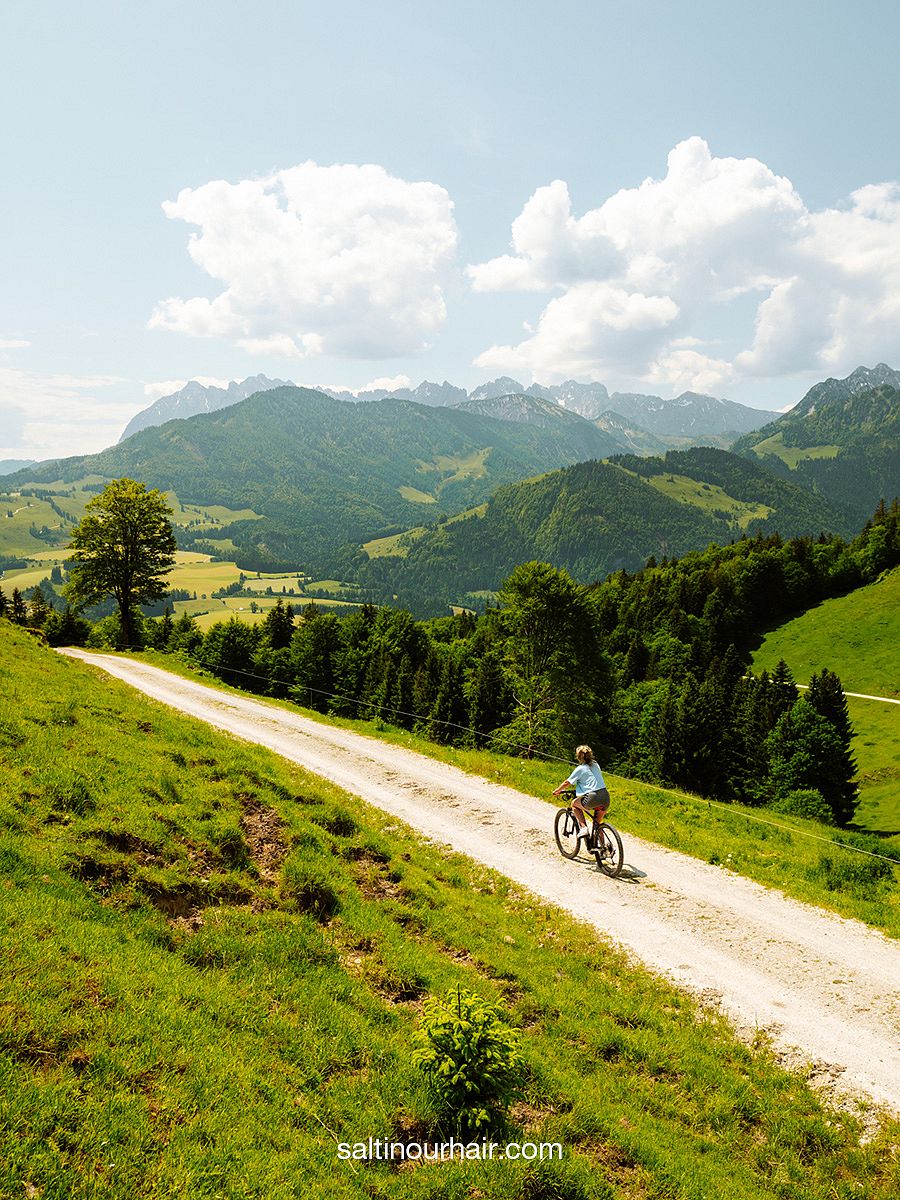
x: 701, y: 196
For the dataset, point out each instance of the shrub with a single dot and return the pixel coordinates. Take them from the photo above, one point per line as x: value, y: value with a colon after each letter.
x: 807, y: 803
x: 470, y: 1055
x: 66, y: 629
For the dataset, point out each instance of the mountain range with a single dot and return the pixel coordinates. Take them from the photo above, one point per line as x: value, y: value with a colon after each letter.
x: 10, y: 465
x: 196, y: 398
x: 433, y: 501
x: 690, y: 415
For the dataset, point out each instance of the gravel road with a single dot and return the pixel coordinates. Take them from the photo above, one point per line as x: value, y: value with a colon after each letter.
x: 825, y: 988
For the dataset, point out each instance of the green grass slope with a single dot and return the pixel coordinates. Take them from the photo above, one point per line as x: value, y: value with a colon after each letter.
x: 213, y: 969
x: 858, y: 636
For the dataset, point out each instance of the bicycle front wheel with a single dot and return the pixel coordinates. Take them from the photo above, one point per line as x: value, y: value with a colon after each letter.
x: 611, y: 855
x: 565, y: 830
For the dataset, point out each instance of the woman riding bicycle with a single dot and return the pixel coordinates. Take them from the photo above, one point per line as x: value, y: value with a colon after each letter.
x: 590, y: 790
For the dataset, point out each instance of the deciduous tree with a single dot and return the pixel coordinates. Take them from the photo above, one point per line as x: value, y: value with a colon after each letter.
x: 122, y: 547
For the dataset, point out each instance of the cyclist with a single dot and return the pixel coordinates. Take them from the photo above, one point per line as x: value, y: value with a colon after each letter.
x: 590, y: 790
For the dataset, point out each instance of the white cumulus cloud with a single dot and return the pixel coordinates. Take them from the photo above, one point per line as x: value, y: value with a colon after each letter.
x: 717, y: 242
x: 343, y: 260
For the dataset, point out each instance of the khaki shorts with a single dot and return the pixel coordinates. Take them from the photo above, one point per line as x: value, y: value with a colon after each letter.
x: 598, y: 799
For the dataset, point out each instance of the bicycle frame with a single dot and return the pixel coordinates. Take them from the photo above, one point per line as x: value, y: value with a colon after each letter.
x: 602, y: 841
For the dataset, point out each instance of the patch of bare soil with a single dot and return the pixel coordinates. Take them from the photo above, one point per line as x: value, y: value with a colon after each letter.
x: 264, y: 834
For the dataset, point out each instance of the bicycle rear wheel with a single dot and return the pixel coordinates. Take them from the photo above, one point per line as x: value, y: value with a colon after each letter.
x: 610, y: 852
x: 565, y: 830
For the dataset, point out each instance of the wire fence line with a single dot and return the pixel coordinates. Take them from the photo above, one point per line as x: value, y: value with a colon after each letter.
x: 857, y: 695
x: 535, y: 752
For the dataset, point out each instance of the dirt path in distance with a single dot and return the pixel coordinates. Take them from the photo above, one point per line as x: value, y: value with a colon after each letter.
x: 827, y: 989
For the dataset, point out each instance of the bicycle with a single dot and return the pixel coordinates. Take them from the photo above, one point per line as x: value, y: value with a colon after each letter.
x: 603, y: 841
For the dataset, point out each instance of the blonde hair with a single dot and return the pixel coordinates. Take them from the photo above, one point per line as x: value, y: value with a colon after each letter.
x: 584, y: 754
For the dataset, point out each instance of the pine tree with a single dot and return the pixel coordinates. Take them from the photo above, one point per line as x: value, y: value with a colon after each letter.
x: 656, y: 752
x: 636, y: 661
x: 826, y: 695
x: 18, y: 611
x: 164, y: 630
x: 400, y: 693
x: 315, y: 650
x: 186, y: 635
x: 448, y: 713
x: 782, y: 692
x: 4, y: 603
x: 806, y: 752
x: 424, y: 689
x: 751, y: 727
x: 278, y: 626
x: 704, y: 718
x: 66, y: 629
x: 38, y: 608
x: 490, y: 702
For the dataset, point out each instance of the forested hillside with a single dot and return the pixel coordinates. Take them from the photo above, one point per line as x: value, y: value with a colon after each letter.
x: 595, y: 518
x: 842, y: 440
x: 324, y: 472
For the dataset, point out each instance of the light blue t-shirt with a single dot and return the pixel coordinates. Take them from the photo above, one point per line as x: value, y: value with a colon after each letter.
x: 586, y: 778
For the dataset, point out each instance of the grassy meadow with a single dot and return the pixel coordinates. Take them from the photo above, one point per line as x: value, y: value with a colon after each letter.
x: 215, y: 963
x: 791, y: 455
x: 858, y: 636
x: 709, y: 497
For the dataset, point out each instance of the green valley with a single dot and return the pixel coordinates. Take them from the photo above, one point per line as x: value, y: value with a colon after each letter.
x: 304, y: 474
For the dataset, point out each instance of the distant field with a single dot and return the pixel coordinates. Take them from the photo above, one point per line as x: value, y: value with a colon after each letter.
x: 18, y: 514
x: 414, y: 495
x: 211, y: 515
x: 858, y: 636
x: 206, y: 620
x: 478, y: 511
x: 458, y: 468
x: 72, y: 499
x: 396, y: 545
x: 710, y: 497
x: 791, y: 455
x: 333, y: 587
x: 201, y: 576
x: 27, y: 579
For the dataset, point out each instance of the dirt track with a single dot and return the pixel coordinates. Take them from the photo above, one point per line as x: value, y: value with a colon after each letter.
x: 827, y: 989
